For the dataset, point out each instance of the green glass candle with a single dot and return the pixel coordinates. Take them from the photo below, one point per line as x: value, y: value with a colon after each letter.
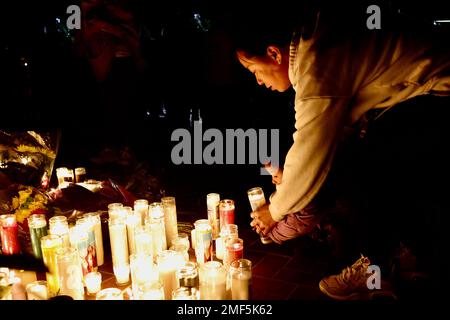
x: 38, y: 229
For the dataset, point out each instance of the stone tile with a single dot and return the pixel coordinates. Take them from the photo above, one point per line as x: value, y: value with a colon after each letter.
x: 270, y: 265
x: 298, y: 276
x: 254, y: 256
x: 308, y: 264
x: 107, y: 267
x: 308, y: 293
x: 284, y: 249
x: 270, y: 289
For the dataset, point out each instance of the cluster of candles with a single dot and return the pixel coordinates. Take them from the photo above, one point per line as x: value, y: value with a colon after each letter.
x: 66, y: 175
x: 145, y: 245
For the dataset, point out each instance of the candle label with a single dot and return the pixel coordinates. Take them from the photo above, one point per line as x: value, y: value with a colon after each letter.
x: 204, y: 245
x: 214, y: 219
x: 82, y: 247
x: 91, y: 255
x: 36, y: 234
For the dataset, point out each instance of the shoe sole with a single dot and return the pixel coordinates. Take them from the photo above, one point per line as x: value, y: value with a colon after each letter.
x: 353, y: 296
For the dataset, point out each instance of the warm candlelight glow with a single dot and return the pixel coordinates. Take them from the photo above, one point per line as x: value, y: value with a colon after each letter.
x: 93, y: 282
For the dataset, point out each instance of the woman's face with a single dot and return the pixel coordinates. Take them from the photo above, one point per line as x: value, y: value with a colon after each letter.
x: 270, y: 70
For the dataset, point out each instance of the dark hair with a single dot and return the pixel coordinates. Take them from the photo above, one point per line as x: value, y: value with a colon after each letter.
x: 253, y: 28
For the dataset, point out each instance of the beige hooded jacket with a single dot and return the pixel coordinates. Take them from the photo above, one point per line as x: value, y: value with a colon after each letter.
x: 336, y: 82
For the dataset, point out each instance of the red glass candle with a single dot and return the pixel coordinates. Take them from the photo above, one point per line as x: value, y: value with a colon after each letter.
x: 226, y: 212
x: 9, y: 234
x: 234, y: 250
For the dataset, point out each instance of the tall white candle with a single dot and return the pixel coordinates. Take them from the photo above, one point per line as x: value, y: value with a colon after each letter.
x: 141, y: 209
x: 70, y: 273
x: 168, y: 263
x: 119, y: 249
x: 212, y: 203
x: 241, y: 279
x: 133, y: 221
x: 170, y: 219
x: 143, y: 240
x: 96, y: 221
x: 59, y: 226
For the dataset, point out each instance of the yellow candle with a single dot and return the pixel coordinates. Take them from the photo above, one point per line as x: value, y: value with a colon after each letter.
x: 49, y: 245
x: 170, y: 219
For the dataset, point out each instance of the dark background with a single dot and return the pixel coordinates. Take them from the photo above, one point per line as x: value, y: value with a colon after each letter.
x: 191, y: 69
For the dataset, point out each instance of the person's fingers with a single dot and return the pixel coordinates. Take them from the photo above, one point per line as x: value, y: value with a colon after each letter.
x: 253, y: 223
x: 254, y: 215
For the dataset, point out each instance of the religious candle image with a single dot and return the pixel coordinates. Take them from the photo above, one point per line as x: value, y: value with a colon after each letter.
x: 241, y: 279
x: 203, y: 241
x: 141, y: 209
x: 91, y: 256
x: 170, y: 219
x: 70, y: 273
x: 168, y: 263
x: 212, y: 281
x: 38, y: 229
x: 212, y: 203
x: 257, y: 200
x: 226, y: 212
x: 96, y: 221
x: 49, y: 245
x: 59, y: 226
x: 9, y: 234
x: 119, y: 249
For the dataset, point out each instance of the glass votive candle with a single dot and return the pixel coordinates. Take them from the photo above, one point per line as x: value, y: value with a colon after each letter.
x: 186, y: 293
x: 37, y: 290
x: 80, y: 174
x: 93, y: 282
x: 188, y: 275
x: 151, y: 291
x: 109, y: 294
x: 141, y: 209
x: 182, y: 238
x: 241, y: 279
x: 122, y: 273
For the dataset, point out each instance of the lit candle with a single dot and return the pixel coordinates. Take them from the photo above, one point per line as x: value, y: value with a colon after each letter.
x: 212, y: 281
x: 109, y: 294
x: 241, y: 279
x: 142, y: 271
x: 9, y: 234
x: 168, y: 264
x: 60, y: 227
x: 133, y: 221
x: 49, y: 245
x: 184, y: 293
x: 143, y: 240
x: 170, y: 219
x: 203, y: 239
x: 212, y: 203
x: 37, y: 290
x: 70, y: 273
x: 96, y: 221
x: 188, y: 275
x: 115, y: 211
x: 234, y: 250
x: 79, y: 240
x: 141, y: 209
x: 151, y: 291
x: 229, y: 231
x: 156, y: 223
x: 93, y: 282
x: 87, y: 224
x: 119, y: 249
x: 80, y: 175
x: 38, y: 229
x: 257, y: 200
x: 226, y: 212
